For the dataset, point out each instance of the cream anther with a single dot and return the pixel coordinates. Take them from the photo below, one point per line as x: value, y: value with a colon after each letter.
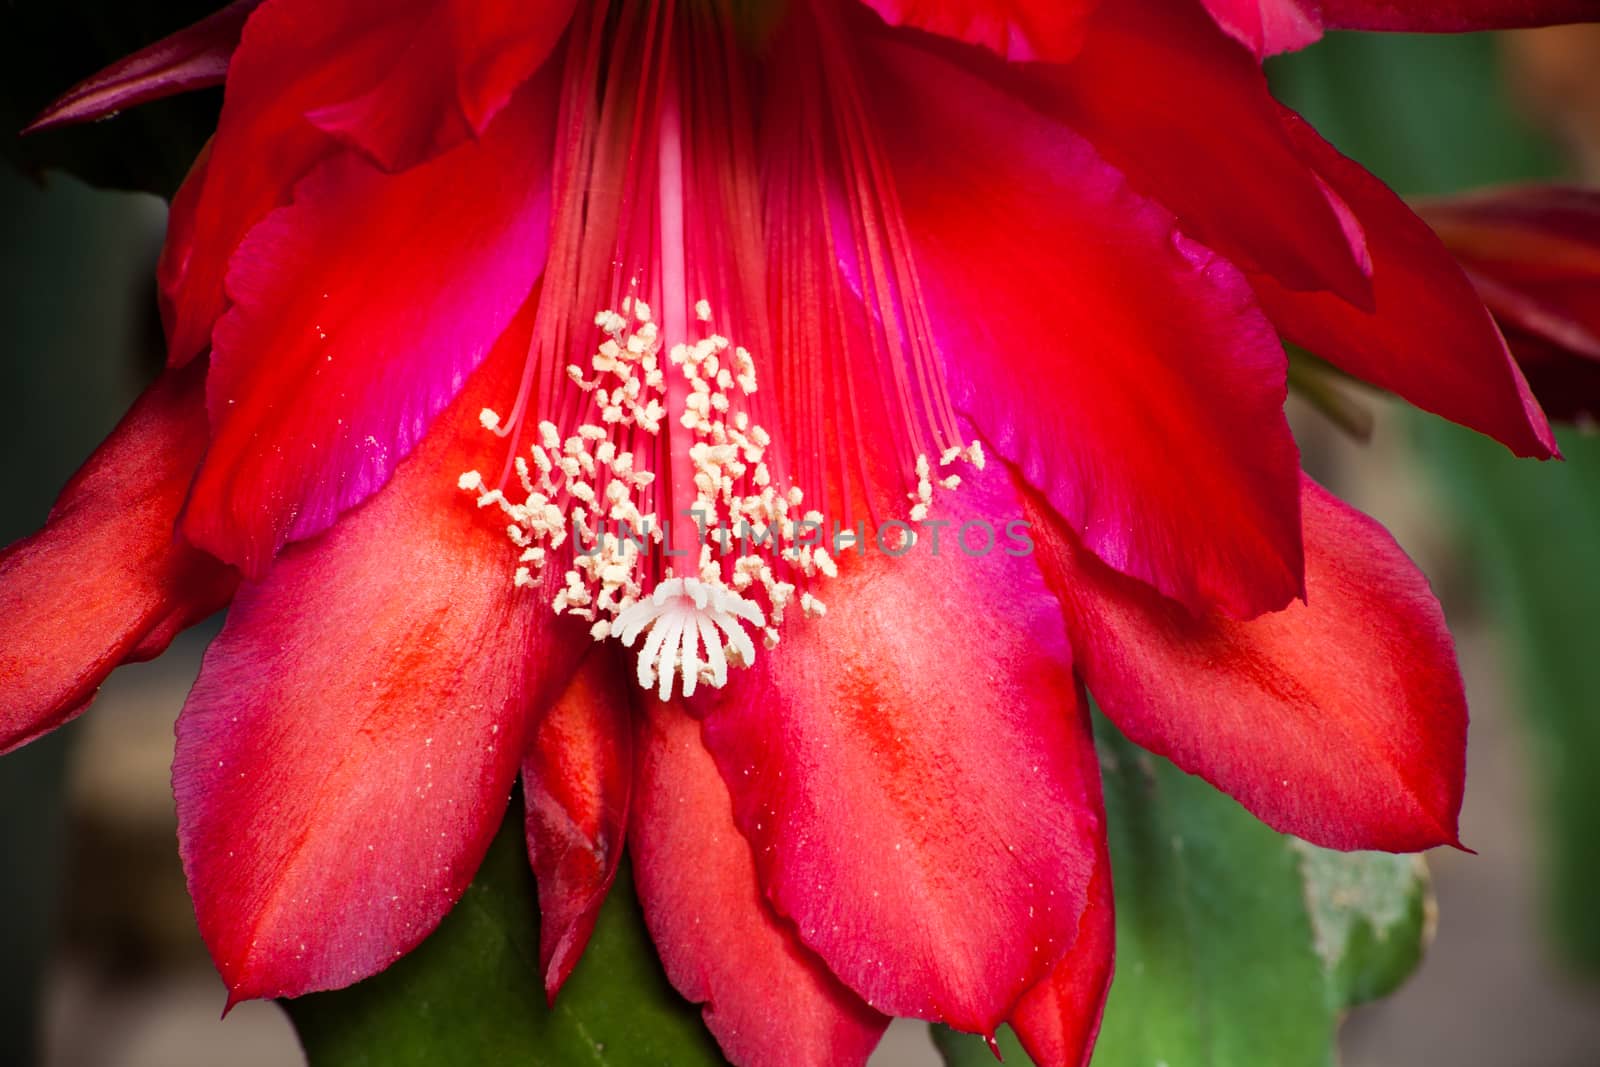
x: 589, y: 485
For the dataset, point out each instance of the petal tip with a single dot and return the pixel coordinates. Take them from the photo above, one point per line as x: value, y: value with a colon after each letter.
x: 47, y: 119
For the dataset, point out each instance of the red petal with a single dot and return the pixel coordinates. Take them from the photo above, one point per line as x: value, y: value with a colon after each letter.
x: 193, y: 58
x: 575, y: 781
x: 1534, y: 254
x: 1268, y: 27
x: 106, y: 581
x: 1187, y: 115
x: 1566, y: 383
x: 1159, y: 436
x: 176, y: 253
x: 910, y: 771
x: 1019, y: 30
x: 767, y: 1000
x: 461, y: 65
x: 1271, y: 26
x: 295, y: 55
x: 359, y: 311
x: 1452, y: 16
x: 1340, y: 720
x: 497, y: 45
x: 348, y: 750
x: 1428, y: 337
x: 1059, y: 1019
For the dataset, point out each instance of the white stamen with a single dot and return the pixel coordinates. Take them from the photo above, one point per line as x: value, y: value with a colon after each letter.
x: 680, y: 614
x: 695, y: 626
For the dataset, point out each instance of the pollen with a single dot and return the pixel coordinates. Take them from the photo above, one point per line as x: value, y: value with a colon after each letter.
x: 589, y: 506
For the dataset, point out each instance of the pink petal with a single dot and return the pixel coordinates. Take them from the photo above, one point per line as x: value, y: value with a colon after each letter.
x: 348, y: 750
x: 1019, y: 30
x: 193, y: 58
x: 1186, y: 113
x: 359, y: 311
x: 575, y: 781
x: 294, y: 56
x: 106, y: 581
x: 462, y: 63
x: 911, y: 775
x: 1428, y: 337
x: 1340, y: 720
x: 1452, y: 16
x: 1268, y: 27
x: 767, y: 999
x: 1123, y: 367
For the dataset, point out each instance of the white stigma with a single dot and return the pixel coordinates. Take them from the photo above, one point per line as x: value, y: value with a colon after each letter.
x: 588, y: 506
x: 682, y: 616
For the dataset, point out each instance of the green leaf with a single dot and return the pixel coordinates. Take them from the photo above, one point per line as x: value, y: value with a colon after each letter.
x: 1237, y: 946
x: 47, y: 46
x: 1371, y: 914
x: 472, y: 992
x: 1532, y: 530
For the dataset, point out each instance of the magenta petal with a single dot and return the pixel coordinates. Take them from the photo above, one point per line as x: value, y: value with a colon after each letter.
x: 1159, y: 437
x: 1452, y: 16
x: 1019, y: 30
x: 1268, y: 27
x: 769, y: 1001
x: 359, y: 311
x: 910, y: 771
x: 193, y: 58
x: 349, y: 748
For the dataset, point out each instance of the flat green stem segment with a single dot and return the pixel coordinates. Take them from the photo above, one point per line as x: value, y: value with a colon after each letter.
x: 1237, y: 946
x: 472, y: 992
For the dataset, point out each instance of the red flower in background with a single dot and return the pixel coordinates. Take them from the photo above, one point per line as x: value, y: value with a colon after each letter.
x: 1533, y: 252
x: 1070, y: 232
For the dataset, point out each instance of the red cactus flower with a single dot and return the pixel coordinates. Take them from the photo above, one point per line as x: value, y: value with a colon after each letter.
x: 456, y: 280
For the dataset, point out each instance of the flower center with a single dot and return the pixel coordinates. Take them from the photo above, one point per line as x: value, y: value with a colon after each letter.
x: 590, y: 500
x: 663, y: 496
